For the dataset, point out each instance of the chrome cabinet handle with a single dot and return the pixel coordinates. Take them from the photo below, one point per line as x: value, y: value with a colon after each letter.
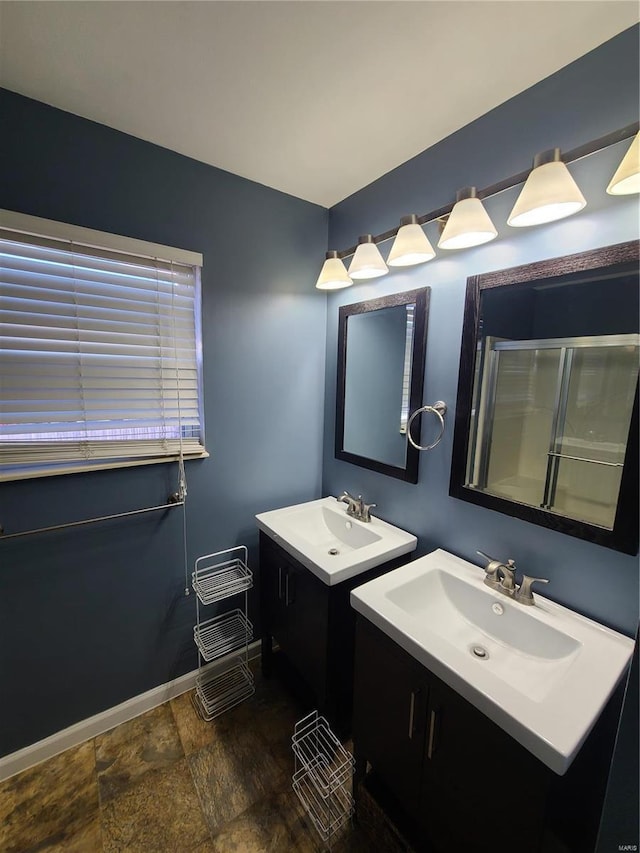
x: 412, y: 707
x: 432, y: 733
x: 280, y: 582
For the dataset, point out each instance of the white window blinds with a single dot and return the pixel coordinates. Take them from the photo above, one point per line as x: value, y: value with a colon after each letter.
x: 99, y: 355
x: 406, y: 373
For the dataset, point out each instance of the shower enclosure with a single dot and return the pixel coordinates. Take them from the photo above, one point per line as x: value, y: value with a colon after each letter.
x: 550, y: 422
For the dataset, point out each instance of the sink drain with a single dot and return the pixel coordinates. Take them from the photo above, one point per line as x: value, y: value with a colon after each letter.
x: 479, y: 652
x: 333, y: 551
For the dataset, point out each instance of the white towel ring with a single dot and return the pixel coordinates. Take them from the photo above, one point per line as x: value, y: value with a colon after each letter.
x: 439, y: 409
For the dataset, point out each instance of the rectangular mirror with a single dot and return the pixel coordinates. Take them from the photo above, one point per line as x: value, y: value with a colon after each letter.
x: 547, y: 413
x: 381, y: 354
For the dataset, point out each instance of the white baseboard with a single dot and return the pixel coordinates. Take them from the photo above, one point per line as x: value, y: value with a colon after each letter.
x: 56, y: 743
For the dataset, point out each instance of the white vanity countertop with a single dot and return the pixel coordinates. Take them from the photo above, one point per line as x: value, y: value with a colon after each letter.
x: 331, y: 544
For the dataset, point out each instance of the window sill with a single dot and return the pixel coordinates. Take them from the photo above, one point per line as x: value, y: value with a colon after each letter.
x: 53, y: 470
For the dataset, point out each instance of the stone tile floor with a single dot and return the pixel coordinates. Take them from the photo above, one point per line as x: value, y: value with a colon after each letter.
x: 167, y: 781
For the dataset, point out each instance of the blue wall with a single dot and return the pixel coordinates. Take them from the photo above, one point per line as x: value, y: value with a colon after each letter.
x: 93, y: 616
x: 595, y: 95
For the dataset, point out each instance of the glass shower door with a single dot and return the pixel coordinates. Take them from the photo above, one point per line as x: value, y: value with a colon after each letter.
x: 587, y: 450
x: 517, y: 432
x: 552, y: 422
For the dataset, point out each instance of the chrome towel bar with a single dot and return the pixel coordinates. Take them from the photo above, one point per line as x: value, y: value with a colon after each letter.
x: 172, y: 502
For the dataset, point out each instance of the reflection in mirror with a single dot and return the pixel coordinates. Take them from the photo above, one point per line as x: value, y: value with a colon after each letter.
x: 378, y: 374
x: 547, y: 398
x: 532, y: 448
x: 381, y: 352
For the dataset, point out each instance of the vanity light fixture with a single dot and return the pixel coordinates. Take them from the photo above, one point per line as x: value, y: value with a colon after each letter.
x: 626, y: 179
x: 549, y: 193
x: 411, y: 245
x: 333, y: 274
x: 468, y: 224
x: 367, y: 261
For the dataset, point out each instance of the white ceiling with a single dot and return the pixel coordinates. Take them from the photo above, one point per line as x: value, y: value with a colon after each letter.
x: 316, y: 99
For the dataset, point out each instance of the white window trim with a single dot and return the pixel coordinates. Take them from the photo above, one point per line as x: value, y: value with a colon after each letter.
x: 14, y: 221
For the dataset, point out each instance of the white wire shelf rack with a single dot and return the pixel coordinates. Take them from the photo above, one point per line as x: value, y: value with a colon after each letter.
x: 217, y: 692
x: 223, y: 634
x: 319, y: 750
x: 224, y: 638
x: 221, y: 574
x: 327, y: 813
x: 323, y: 775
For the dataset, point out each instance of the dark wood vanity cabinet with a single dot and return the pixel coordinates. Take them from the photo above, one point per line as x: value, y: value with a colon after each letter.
x: 314, y: 626
x: 460, y: 780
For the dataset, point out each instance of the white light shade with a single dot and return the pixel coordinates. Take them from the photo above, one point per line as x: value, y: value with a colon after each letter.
x: 468, y: 224
x: 627, y: 177
x: 367, y: 261
x: 333, y: 274
x: 549, y: 193
x: 411, y: 245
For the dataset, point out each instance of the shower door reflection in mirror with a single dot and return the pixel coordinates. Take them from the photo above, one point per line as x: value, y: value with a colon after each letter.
x: 551, y: 428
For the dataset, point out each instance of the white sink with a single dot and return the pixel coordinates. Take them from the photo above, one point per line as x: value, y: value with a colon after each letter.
x: 546, y: 672
x: 329, y: 543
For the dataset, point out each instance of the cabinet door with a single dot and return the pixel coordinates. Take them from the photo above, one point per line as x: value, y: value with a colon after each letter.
x: 304, y: 640
x: 295, y: 612
x: 481, y: 790
x: 390, y: 700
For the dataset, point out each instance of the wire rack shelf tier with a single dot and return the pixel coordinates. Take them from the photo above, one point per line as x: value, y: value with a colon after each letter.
x: 319, y: 750
x: 222, y: 635
x: 216, y: 578
x: 218, y: 692
x: 327, y: 813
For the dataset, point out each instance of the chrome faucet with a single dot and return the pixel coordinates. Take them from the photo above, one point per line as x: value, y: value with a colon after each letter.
x: 502, y: 577
x: 354, y: 503
x: 356, y: 508
x: 507, y: 571
x: 524, y: 594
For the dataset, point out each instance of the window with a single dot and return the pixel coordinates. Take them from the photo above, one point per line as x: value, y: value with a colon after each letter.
x: 100, y: 350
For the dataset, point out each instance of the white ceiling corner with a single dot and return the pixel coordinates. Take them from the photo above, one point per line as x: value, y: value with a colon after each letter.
x: 316, y: 99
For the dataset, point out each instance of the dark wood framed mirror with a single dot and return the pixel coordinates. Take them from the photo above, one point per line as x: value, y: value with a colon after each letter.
x: 382, y: 346
x: 546, y: 425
